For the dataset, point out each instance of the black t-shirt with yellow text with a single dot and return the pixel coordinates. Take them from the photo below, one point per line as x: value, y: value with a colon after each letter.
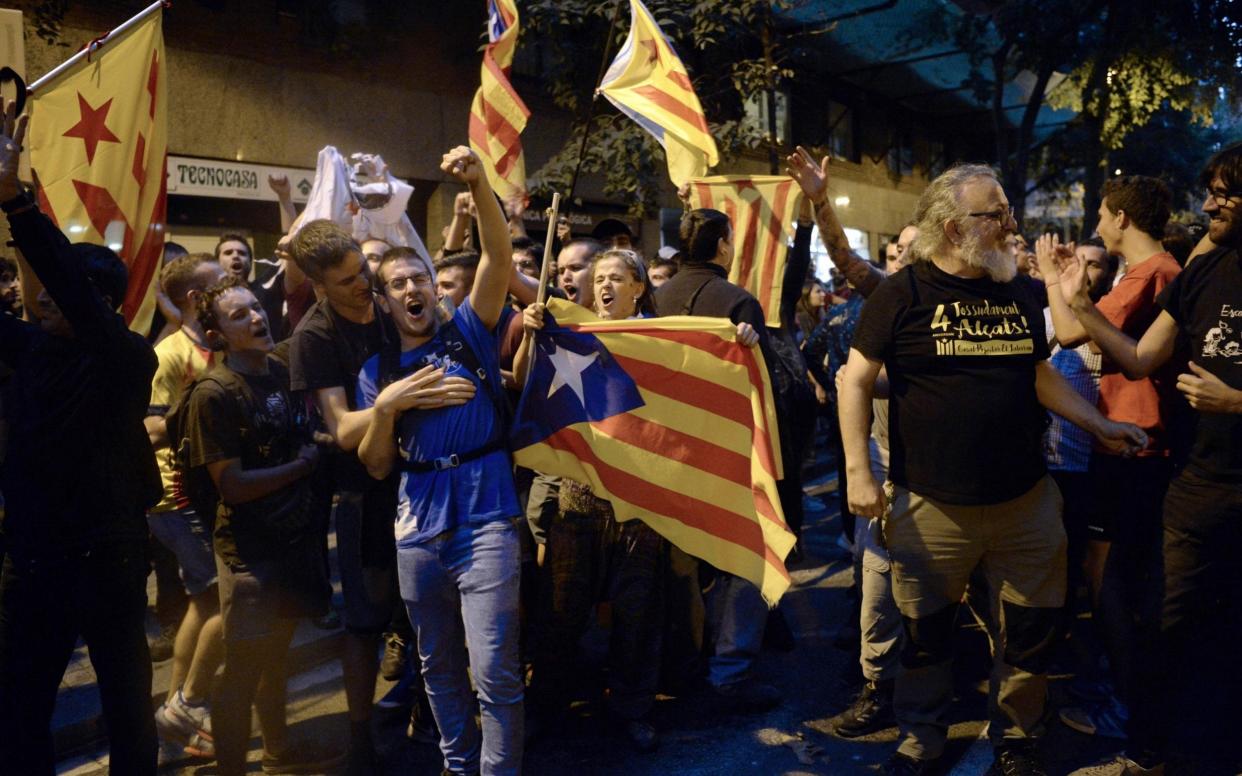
x: 965, y: 424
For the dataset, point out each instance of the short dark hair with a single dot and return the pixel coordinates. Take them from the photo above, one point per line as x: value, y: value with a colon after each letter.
x: 671, y: 263
x: 1225, y: 164
x: 1146, y: 200
x: 320, y: 245
x: 396, y: 253
x: 701, y: 230
x: 465, y: 259
x: 104, y: 268
x: 592, y: 245
x: 1114, y: 261
x: 1178, y: 241
x: 205, y: 307
x: 8, y: 265
x: 523, y: 244
x: 233, y: 237
x: 177, y: 277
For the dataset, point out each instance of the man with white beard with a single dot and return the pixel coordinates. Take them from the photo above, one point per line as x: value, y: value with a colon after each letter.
x: 967, y: 362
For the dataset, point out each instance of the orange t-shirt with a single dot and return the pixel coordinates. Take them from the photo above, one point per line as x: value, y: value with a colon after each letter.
x: 1131, y: 306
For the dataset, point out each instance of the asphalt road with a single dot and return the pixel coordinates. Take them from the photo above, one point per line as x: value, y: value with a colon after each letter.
x: 818, y: 680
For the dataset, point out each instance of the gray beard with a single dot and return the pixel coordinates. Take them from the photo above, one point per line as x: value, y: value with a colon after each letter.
x: 1000, y: 266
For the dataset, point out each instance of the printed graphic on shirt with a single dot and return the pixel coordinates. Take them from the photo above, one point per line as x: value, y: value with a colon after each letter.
x: 981, y: 329
x: 1222, y: 341
x: 271, y: 422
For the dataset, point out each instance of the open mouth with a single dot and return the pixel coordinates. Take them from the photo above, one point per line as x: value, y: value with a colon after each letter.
x: 415, y: 308
x: 261, y: 332
x: 571, y: 291
x: 606, y: 298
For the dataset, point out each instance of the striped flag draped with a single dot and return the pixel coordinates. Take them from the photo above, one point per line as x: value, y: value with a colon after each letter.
x: 761, y: 208
x: 648, y: 83
x: 672, y: 421
x: 98, y: 139
x: 498, y: 115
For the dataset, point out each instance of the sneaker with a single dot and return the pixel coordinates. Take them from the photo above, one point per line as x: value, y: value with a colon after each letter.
x: 903, y: 765
x: 422, y: 728
x: 186, y: 724
x: 396, y: 657
x: 402, y: 693
x: 1017, y: 758
x: 303, y: 757
x: 161, y: 646
x: 1107, y: 719
x: 748, y: 696
x: 871, y: 711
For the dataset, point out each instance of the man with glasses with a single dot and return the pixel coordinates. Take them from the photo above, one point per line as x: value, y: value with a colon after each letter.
x: 967, y: 363
x: 1202, y: 613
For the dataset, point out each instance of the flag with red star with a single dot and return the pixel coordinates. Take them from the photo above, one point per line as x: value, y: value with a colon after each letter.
x: 98, y: 140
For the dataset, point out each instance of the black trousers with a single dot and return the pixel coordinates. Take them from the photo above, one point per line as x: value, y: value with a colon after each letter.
x: 44, y: 607
x: 1202, y: 623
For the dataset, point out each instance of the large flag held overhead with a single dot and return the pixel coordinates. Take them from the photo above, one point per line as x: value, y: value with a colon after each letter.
x: 670, y: 419
x: 761, y: 208
x: 498, y: 115
x: 648, y: 83
x: 98, y: 140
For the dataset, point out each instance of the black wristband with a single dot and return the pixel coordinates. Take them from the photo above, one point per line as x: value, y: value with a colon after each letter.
x: 22, y: 201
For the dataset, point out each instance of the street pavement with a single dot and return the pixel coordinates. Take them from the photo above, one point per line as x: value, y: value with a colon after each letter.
x: 818, y: 679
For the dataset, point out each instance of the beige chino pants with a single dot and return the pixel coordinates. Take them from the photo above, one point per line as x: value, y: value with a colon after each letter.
x: 1020, y: 546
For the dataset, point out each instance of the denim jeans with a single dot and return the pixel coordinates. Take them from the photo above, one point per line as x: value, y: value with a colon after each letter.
x: 461, y: 591
x: 738, y: 616
x: 44, y: 606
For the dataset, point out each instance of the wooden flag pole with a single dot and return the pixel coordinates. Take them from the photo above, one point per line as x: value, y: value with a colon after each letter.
x: 547, y: 247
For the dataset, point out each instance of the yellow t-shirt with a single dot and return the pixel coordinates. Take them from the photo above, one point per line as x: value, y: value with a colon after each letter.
x: 181, y: 363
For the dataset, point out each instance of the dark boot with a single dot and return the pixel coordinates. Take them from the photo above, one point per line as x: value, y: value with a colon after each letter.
x: 872, y: 710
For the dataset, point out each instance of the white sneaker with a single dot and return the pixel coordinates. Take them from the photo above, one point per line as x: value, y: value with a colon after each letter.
x: 186, y: 724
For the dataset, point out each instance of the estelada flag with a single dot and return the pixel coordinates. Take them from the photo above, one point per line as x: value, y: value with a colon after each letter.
x: 761, y: 209
x: 671, y: 420
x: 498, y: 115
x: 648, y: 83
x: 98, y: 142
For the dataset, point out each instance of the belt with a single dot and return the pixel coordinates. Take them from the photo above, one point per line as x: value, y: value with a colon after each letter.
x: 453, y: 460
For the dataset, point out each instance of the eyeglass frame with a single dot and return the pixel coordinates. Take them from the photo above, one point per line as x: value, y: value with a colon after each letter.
x: 998, y: 215
x: 1221, y: 198
x: 419, y: 279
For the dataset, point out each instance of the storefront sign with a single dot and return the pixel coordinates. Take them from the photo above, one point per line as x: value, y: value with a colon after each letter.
x: 233, y: 180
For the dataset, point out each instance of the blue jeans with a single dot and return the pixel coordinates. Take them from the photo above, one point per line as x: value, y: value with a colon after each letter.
x: 737, y: 616
x: 461, y: 590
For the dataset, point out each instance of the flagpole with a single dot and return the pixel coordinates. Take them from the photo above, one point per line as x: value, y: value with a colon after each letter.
x: 586, y: 130
x: 547, y: 247
x: 97, y: 44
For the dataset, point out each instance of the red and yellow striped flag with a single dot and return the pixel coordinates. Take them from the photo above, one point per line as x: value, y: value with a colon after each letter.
x: 498, y: 115
x: 761, y: 208
x: 648, y: 83
x: 670, y: 419
x: 98, y: 140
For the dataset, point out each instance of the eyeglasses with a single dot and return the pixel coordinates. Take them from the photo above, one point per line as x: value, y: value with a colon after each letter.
x: 399, y: 283
x: 1221, y: 198
x: 1000, y: 216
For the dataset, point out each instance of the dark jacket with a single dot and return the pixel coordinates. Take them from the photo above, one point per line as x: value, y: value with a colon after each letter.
x: 79, y: 471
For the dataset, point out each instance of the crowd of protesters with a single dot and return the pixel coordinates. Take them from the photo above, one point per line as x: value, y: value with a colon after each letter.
x: 1033, y: 428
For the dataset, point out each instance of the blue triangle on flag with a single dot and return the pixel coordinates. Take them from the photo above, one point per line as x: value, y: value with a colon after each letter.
x: 573, y: 379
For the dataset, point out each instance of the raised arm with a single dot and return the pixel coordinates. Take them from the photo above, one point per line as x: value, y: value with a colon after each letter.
x: 1069, y: 332
x: 1136, y: 359
x: 491, y: 280
x: 813, y: 179
x: 279, y: 185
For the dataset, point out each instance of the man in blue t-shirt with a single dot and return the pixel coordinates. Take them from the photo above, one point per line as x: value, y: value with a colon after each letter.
x: 457, y: 547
